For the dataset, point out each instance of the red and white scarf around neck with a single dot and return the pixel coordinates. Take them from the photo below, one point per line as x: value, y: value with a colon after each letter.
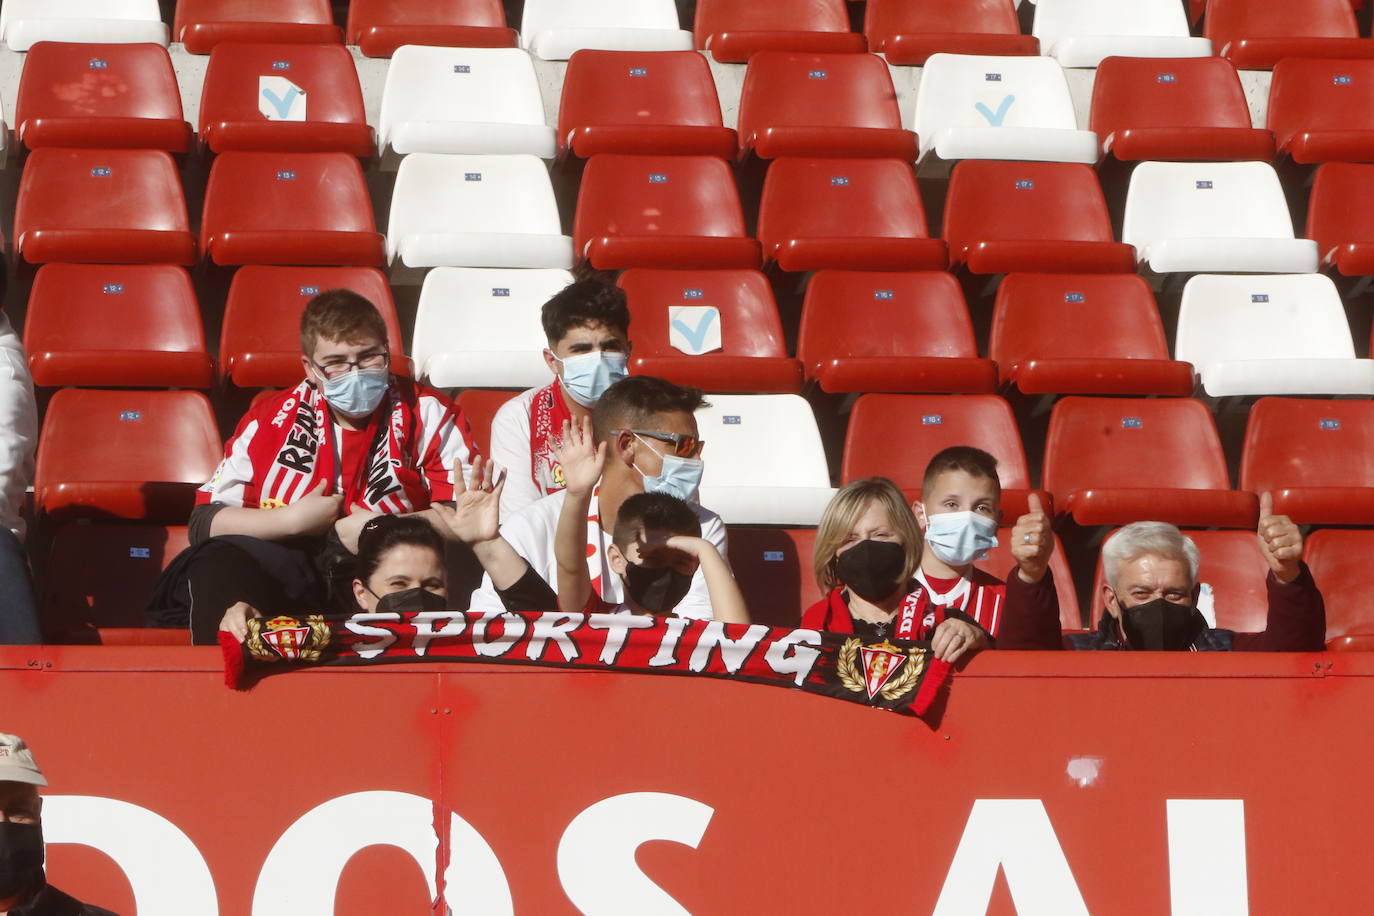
x: 548, y: 413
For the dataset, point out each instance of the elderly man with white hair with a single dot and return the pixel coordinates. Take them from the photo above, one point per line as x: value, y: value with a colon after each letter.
x: 1151, y: 590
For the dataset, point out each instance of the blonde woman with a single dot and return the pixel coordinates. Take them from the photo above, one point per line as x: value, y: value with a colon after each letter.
x: 867, y: 551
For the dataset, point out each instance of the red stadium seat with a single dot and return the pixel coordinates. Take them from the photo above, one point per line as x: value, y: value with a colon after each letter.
x: 1256, y: 34
x: 1340, y: 217
x: 645, y: 102
x: 1112, y: 461
x: 260, y: 341
x: 102, y: 206
x: 101, y: 575
x: 1000, y: 561
x: 379, y: 27
x: 1009, y: 217
x: 909, y: 31
x: 1174, y: 108
x: 100, y: 96
x: 660, y: 211
x: 134, y: 325
x: 879, y: 331
x: 124, y: 454
x: 1315, y: 457
x: 773, y: 567
x: 738, y: 347
x: 1234, y: 573
x: 479, y: 406
x: 283, y: 98
x: 796, y: 104
x: 1340, y: 566
x: 289, y: 208
x: 859, y: 214
x: 896, y: 435
x: 1083, y: 334
x: 1323, y: 110
x: 202, y: 24
x: 733, y: 30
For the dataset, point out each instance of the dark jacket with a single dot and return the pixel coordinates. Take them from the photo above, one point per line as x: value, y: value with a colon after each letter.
x: 52, y: 902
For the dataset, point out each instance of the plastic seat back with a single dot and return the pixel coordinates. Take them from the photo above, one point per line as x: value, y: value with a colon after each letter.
x: 283, y: 98
x: 887, y: 331
x: 1081, y: 33
x: 100, y: 575
x: 1339, y: 561
x: 773, y: 567
x: 102, y: 206
x: 1340, y: 217
x: 260, y: 339
x: 134, y: 325
x: 102, y: 96
x: 1315, y: 457
x: 475, y: 211
x: 1323, y: 110
x: 999, y: 562
x: 1232, y: 574
x: 716, y: 329
x: 154, y: 449
x: 661, y: 211
x: 1176, y: 108
x: 480, y: 327
x: 821, y: 105
x: 909, y: 31
x: 647, y: 102
x: 24, y: 23
x: 379, y: 27
x: 289, y: 208
x: 555, y: 29
x: 463, y: 100
x: 733, y: 31
x: 479, y: 405
x: 1256, y: 34
x: 202, y: 24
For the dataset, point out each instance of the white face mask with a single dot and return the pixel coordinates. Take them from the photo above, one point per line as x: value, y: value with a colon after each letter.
x: 959, y: 538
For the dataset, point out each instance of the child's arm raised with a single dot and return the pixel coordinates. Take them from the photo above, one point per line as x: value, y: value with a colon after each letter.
x: 727, y: 602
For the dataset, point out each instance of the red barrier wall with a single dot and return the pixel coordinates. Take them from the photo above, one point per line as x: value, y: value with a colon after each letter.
x: 1255, y: 766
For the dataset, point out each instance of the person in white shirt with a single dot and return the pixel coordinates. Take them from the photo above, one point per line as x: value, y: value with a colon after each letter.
x: 587, y: 326
x: 19, y: 422
x: 649, y: 428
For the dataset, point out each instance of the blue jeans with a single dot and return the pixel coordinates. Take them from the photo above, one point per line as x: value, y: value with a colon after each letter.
x: 18, y: 612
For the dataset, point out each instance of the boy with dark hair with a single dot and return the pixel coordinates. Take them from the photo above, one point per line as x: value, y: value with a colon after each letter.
x: 645, y: 440
x: 307, y: 468
x: 958, y: 512
x: 587, y: 327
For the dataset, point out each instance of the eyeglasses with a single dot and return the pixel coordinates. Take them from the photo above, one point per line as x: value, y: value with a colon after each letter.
x: 339, y: 367
x: 684, y: 444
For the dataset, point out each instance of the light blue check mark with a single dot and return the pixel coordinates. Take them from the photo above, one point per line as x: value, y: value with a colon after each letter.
x: 283, y: 105
x: 696, y: 337
x: 995, y: 118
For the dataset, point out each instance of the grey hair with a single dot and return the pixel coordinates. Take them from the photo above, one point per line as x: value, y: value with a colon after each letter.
x: 1140, y: 538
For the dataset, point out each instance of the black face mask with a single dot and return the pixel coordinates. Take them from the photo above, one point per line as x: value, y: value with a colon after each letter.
x: 412, y: 599
x: 872, y: 569
x: 21, y: 857
x: 1160, y: 625
x: 657, y: 589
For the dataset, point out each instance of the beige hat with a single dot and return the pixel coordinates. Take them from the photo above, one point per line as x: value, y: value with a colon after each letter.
x: 16, y: 762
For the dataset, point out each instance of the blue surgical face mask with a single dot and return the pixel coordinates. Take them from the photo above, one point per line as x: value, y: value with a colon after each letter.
x: 959, y: 538
x: 680, y: 477
x: 356, y: 394
x: 586, y: 376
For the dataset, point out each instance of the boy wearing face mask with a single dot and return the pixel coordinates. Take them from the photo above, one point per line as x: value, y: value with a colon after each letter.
x: 642, y: 437
x: 958, y: 513
x: 587, y: 325
x: 276, y: 526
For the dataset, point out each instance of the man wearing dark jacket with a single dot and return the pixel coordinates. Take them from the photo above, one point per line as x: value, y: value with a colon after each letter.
x: 24, y: 888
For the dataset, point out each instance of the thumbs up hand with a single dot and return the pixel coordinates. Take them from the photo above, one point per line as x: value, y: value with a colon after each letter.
x: 1280, y: 541
x: 1032, y: 541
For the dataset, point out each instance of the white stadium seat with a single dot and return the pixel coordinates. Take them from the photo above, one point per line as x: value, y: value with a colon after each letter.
x: 554, y: 29
x: 464, y: 100
x: 479, y: 327
x: 1080, y: 33
x: 1282, y: 334
x: 1202, y: 217
x: 764, y: 461
x: 475, y: 211
x: 975, y: 107
x: 23, y: 23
